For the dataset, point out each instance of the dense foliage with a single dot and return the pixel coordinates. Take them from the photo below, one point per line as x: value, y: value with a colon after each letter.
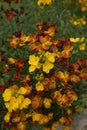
x: 43, y: 63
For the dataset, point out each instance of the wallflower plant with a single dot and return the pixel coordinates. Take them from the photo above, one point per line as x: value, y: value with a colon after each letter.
x: 44, y: 83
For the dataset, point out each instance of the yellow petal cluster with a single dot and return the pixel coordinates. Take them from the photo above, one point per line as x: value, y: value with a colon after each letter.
x: 15, y: 100
x: 11, y: 60
x: 47, y: 66
x: 50, y: 56
x: 7, y: 95
x: 47, y: 102
x: 36, y: 116
x: 45, y: 2
x: 25, y: 103
x: 7, y: 117
x: 82, y: 47
x: 34, y: 63
x: 83, y: 4
x: 49, y: 60
x: 77, y: 39
x: 22, y: 90
x: 39, y: 86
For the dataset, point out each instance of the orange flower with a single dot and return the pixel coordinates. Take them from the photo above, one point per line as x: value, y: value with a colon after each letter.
x: 36, y: 102
x: 62, y: 120
x: 64, y: 54
x: 69, y: 112
x: 21, y: 126
x: 39, y: 25
x: 62, y: 76
x: 83, y: 76
x: 17, y: 76
x: 64, y: 98
x: 72, y: 95
x: 49, y: 83
x: 11, y: 60
x: 73, y: 68
x: 66, y: 47
x: 33, y: 38
x: 6, y: 68
x: 14, y: 42
x: 74, y: 78
x: 50, y: 31
x: 19, y: 63
x: 45, y: 42
x: 26, y: 79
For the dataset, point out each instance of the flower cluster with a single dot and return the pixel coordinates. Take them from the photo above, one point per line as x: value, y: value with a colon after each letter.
x: 82, y: 45
x: 47, y: 80
x: 14, y: 98
x: 83, y: 4
x: 45, y: 2
x: 78, y: 21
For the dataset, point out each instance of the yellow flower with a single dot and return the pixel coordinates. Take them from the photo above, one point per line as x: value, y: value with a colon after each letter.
x: 75, y: 23
x: 34, y: 62
x: 24, y: 38
x: 14, y: 104
x: 45, y: 2
x: 62, y: 120
x: 21, y: 126
x: 7, y: 104
x: 82, y: 47
x: 16, y: 119
x: 11, y: 60
x: 47, y: 102
x: 74, y: 39
x: 25, y: 103
x: 22, y: 90
x: 36, y: 116
x: 50, y: 57
x: 7, y: 94
x: 82, y: 20
x: 39, y: 86
x: 82, y: 39
x: 14, y: 42
x: 69, y: 111
x: 7, y: 117
x: 77, y: 39
x: 47, y: 66
x: 20, y: 98
x: 44, y: 119
x: 32, y: 68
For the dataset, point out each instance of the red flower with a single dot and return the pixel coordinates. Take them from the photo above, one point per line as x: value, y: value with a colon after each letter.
x: 2, y: 88
x: 16, y: 1
x: 19, y: 63
x: 9, y: 14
